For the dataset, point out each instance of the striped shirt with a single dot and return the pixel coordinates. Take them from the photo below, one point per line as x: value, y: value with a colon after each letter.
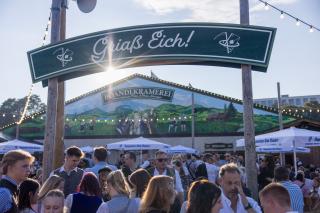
x: 296, y: 196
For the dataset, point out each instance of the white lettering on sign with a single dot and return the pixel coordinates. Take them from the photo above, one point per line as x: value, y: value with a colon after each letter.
x: 107, y: 45
x: 160, y: 40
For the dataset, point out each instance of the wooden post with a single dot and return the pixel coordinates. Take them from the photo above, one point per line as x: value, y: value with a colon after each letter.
x: 58, y: 155
x: 250, y: 148
x: 282, y: 155
x: 52, y: 99
x: 193, y: 120
x: 17, y: 130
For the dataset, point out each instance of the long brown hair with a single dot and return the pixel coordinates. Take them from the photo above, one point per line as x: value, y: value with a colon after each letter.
x: 140, y: 179
x: 158, y: 195
x: 90, y: 184
x: 202, y: 196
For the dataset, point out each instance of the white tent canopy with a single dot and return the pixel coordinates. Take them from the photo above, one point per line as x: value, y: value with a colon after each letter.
x: 287, y: 138
x: 291, y: 137
x: 140, y: 143
x: 180, y: 149
x: 87, y: 149
x: 279, y: 149
x: 17, y: 144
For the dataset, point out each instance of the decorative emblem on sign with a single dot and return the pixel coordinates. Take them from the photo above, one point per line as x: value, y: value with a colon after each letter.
x: 230, y: 42
x: 65, y: 56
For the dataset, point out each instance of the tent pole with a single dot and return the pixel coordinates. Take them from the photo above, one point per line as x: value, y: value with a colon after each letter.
x: 295, y: 157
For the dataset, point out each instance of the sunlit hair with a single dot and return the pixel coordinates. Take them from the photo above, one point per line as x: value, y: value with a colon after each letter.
x: 277, y: 193
x: 90, y: 184
x: 202, y: 196
x: 74, y: 151
x: 230, y: 168
x: 55, y: 193
x: 100, y: 153
x: 158, y: 195
x: 51, y: 183
x: 117, y: 181
x: 12, y: 157
x: 160, y: 152
x: 140, y: 179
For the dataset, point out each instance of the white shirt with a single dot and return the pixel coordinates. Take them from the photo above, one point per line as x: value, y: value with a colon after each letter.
x: 178, y: 184
x: 62, y: 169
x: 240, y: 208
x: 145, y: 164
x: 185, y: 170
x: 212, y: 172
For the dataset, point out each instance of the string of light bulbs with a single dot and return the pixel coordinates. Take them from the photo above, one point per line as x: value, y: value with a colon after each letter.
x: 46, y: 32
x: 298, y: 113
x: 26, y: 106
x: 284, y: 13
x: 23, y: 116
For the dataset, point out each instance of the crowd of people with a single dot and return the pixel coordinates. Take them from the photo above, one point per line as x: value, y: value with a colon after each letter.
x: 160, y: 184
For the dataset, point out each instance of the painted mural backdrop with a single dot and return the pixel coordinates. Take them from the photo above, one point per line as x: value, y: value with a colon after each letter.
x: 143, y: 107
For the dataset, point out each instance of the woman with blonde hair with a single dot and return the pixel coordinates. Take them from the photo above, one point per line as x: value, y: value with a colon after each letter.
x: 53, y: 182
x: 119, y: 193
x: 53, y: 202
x: 159, y: 195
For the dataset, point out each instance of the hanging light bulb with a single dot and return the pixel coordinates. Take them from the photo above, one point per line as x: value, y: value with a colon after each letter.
x: 282, y: 15
x: 311, y: 29
x: 298, y: 22
x: 266, y: 6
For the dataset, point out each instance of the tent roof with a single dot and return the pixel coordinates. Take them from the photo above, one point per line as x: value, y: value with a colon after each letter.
x: 140, y: 142
x: 287, y: 135
x: 136, y: 75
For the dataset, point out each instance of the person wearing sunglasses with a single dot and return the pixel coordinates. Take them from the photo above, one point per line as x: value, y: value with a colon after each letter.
x: 161, y: 168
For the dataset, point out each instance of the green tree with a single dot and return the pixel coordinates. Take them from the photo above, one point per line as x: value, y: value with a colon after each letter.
x: 12, y: 108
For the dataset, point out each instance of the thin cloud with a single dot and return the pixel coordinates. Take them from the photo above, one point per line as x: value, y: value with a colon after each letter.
x: 205, y: 10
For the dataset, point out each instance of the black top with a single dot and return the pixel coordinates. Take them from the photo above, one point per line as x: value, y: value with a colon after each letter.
x: 202, y: 171
x: 156, y: 211
x: 265, y: 172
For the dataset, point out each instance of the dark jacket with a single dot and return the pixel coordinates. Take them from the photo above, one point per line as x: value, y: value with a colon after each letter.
x: 71, y: 180
x: 14, y: 192
x: 202, y: 171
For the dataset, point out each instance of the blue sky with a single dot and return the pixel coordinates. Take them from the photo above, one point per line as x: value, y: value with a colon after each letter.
x: 295, y: 59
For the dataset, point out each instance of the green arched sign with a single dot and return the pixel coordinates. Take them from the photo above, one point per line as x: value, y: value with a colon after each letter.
x: 226, y: 45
